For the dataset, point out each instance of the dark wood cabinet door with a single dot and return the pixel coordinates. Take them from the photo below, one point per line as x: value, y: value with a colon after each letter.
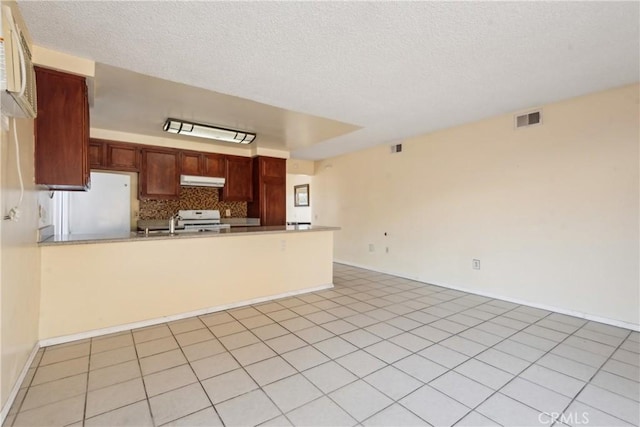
x: 159, y: 175
x: 112, y: 155
x: 61, y: 131
x: 86, y: 168
x: 190, y: 163
x: 269, y: 191
x: 274, y: 202
x: 238, y: 186
x: 213, y: 165
x: 272, y: 167
x: 97, y: 154
x: 123, y: 157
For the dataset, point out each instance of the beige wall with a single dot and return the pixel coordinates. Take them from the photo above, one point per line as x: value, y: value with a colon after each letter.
x: 551, y: 211
x: 19, y: 256
x: 88, y: 287
x: 300, y: 167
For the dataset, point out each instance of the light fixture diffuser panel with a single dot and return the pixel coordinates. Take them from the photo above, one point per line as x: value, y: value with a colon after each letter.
x: 208, y: 132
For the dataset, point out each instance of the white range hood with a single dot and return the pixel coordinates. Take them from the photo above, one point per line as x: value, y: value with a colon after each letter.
x: 201, y: 181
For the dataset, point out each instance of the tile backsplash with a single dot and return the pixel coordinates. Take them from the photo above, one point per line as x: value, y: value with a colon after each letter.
x: 190, y: 198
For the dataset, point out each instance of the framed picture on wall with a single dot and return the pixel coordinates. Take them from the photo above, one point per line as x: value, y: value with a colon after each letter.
x: 301, y: 195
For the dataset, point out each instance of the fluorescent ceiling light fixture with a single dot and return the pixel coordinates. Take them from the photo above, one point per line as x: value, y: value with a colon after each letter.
x: 199, y: 130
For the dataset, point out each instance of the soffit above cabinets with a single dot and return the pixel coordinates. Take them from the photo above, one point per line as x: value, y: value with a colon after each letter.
x: 137, y: 103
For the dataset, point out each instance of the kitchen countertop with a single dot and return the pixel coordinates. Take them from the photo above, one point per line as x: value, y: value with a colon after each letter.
x: 163, y: 224
x: 141, y: 237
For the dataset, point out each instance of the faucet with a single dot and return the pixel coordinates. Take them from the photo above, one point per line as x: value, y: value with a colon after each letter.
x: 172, y: 224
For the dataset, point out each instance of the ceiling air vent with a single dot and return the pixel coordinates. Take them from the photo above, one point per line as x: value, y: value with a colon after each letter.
x: 529, y: 119
x: 396, y: 148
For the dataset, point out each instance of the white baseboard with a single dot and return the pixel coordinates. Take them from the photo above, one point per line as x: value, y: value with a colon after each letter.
x: 120, y: 328
x: 16, y: 387
x: 561, y: 310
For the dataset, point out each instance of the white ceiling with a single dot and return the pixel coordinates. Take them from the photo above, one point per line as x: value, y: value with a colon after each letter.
x: 395, y: 69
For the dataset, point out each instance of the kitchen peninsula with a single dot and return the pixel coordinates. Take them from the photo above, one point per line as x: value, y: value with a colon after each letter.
x: 102, y: 284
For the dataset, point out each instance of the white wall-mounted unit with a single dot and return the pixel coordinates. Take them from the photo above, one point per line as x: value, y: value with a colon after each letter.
x: 17, y: 77
x: 201, y: 181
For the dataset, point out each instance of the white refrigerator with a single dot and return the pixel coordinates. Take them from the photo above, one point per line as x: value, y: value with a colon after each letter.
x: 104, y: 209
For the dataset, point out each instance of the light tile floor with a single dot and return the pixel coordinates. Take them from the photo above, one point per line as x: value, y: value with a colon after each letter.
x: 376, y: 350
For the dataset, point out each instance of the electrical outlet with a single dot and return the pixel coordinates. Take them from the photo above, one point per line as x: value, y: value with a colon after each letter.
x: 386, y: 249
x: 371, y: 247
x: 475, y: 264
x: 283, y: 245
x: 227, y: 212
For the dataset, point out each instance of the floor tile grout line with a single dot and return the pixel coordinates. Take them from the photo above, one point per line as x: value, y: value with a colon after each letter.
x: 474, y: 357
x: 532, y: 363
x: 119, y: 407
x: 327, y: 394
x: 86, y: 391
x: 459, y: 373
x: 241, y: 366
x: 391, y: 364
x: 26, y: 392
x: 195, y: 375
x: 448, y: 370
x: 594, y: 385
x: 144, y: 385
x: 495, y: 315
x: 50, y: 403
x: 616, y: 374
x: 88, y: 371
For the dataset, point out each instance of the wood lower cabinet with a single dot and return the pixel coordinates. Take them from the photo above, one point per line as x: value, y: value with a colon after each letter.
x: 62, y: 131
x: 159, y: 174
x: 238, y: 186
x: 269, y: 191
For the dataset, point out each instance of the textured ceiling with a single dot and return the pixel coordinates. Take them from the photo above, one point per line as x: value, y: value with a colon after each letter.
x: 396, y: 69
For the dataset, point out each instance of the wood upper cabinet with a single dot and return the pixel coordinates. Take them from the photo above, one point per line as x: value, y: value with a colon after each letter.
x: 62, y: 131
x: 238, y: 185
x: 269, y: 191
x: 213, y: 165
x: 190, y: 163
x: 159, y: 174
x: 123, y: 157
x: 202, y: 164
x: 112, y: 155
x: 97, y: 154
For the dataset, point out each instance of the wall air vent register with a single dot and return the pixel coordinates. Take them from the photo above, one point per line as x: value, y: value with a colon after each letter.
x: 529, y: 119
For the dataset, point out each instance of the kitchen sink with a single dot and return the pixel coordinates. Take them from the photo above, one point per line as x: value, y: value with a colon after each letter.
x: 183, y: 231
